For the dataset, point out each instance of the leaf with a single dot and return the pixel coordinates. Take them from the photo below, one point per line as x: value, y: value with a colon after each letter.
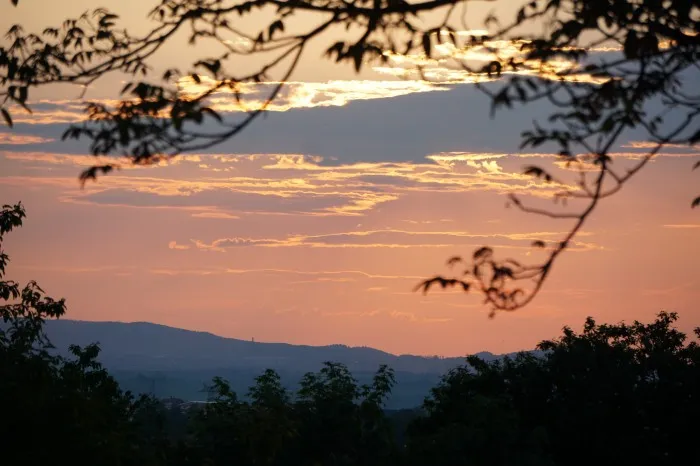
x: 426, y: 44
x: 695, y: 137
x: 276, y: 26
x: 443, y: 282
x: 515, y: 200
x: 537, y: 172
x: 356, y: 52
x: 695, y: 203
x: 482, y: 253
x: 336, y: 48
x: 6, y: 116
x: 538, y: 244
x: 213, y: 66
x: 453, y: 37
x: 631, y: 46
x: 493, y: 68
x: 91, y: 173
x: 214, y: 114
x: 608, y: 125
x: 452, y: 261
x: 697, y: 164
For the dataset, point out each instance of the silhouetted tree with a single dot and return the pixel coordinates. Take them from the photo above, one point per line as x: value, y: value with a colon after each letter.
x: 619, y: 394
x: 70, y: 405
x: 332, y: 421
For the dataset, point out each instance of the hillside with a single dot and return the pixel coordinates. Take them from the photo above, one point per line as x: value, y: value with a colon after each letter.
x: 169, y: 361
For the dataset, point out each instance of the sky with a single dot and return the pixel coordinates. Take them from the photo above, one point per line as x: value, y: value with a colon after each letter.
x: 315, y: 224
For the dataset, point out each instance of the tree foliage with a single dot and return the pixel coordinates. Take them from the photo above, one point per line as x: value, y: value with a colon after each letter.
x: 330, y: 421
x: 72, y: 405
x: 627, y: 65
x: 623, y: 394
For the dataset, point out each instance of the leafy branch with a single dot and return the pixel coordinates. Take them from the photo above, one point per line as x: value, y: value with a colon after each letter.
x: 598, y: 63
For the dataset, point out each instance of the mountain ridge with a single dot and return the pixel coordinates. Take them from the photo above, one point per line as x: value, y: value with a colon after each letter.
x: 146, y: 357
x: 150, y: 342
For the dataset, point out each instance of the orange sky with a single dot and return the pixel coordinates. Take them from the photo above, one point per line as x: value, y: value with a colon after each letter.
x: 314, y: 226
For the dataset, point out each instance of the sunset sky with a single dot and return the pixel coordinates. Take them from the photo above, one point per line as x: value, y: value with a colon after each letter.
x: 315, y: 224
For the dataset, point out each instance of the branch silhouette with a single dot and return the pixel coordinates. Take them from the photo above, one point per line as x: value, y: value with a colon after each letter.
x: 600, y: 64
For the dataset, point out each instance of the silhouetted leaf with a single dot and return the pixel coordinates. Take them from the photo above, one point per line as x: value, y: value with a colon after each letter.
x: 91, y: 173
x: 356, y: 52
x: 214, y: 114
x: 336, y: 49
x: 696, y: 202
x: 6, y: 117
x: 452, y: 261
x: 537, y: 172
x: 443, y: 282
x: 276, y: 26
x: 426, y: 44
x: 495, y: 68
x: 538, y: 244
x: 482, y: 253
x: 695, y: 138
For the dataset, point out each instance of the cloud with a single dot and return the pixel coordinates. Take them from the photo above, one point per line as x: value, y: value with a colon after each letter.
x: 428, y: 222
x: 462, y: 64
x: 673, y: 290
x: 179, y: 247
x: 83, y: 160
x: 445, y: 68
x: 338, y: 276
x: 413, y: 317
x: 653, y: 145
x: 217, y: 215
x: 301, y: 95
x: 284, y: 184
x: 393, y: 238
x: 406, y: 316
x: 225, y: 243
x: 270, y: 271
x: 293, y: 95
x: 687, y: 226
x: 116, y: 269
x: 234, y: 186
x: 324, y: 280
x: 22, y: 139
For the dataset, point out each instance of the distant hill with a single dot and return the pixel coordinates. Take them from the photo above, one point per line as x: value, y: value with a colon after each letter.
x: 169, y: 361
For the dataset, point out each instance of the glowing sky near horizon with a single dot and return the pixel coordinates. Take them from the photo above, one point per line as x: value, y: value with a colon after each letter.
x: 314, y: 225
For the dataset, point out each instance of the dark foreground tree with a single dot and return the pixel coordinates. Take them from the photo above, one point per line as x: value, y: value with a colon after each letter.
x: 614, y: 394
x: 62, y: 410
x: 607, y: 66
x: 331, y: 421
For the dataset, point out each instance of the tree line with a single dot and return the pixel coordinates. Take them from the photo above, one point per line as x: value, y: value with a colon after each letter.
x: 624, y: 394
